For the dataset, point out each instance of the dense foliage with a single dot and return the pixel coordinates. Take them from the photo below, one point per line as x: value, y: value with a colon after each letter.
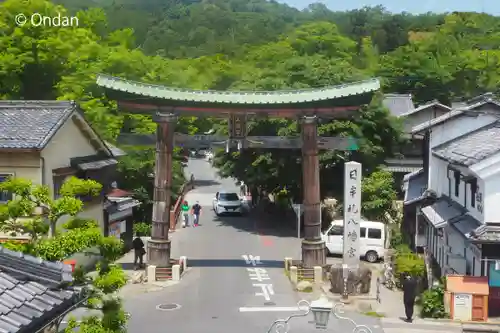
x: 256, y: 45
x: 32, y: 212
x: 432, y: 303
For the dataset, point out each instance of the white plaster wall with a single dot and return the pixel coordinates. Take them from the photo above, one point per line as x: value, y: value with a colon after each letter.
x: 67, y: 143
x: 421, y: 117
x: 492, y: 199
x: 456, y: 244
x: 438, y: 176
x: 94, y: 211
x: 22, y: 165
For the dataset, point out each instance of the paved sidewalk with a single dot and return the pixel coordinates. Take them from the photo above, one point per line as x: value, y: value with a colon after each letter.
x: 418, y: 325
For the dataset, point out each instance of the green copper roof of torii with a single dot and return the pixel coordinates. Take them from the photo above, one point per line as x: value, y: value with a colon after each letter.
x: 238, y: 97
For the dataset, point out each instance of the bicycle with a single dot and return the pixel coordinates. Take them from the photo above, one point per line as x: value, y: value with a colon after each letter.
x: 388, y: 281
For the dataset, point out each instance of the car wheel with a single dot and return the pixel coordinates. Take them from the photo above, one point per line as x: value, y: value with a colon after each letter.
x: 328, y: 253
x: 371, y: 256
x: 216, y: 211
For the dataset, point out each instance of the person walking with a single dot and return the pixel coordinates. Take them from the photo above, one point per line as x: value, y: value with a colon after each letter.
x: 196, y: 211
x: 185, y: 214
x: 139, y: 252
x: 243, y: 189
x: 409, y: 295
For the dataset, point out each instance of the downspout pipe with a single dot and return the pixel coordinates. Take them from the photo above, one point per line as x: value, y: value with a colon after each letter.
x: 42, y: 166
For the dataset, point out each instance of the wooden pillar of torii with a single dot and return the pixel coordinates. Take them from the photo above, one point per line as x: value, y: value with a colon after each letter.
x: 159, y: 248
x: 313, y: 247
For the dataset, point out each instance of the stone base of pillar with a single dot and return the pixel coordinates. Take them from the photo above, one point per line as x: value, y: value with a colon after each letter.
x: 159, y: 253
x: 313, y: 253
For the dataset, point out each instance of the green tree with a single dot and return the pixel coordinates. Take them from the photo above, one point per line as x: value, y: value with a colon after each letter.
x: 378, y: 195
x: 32, y: 211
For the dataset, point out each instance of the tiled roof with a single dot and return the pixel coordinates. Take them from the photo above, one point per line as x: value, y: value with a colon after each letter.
x: 426, y: 106
x: 473, y: 147
x: 415, y: 188
x: 466, y: 224
x: 456, y: 112
x: 41, y: 270
x: 31, y: 293
x: 96, y: 165
x: 117, y: 152
x: 441, y: 212
x: 238, y: 97
x: 31, y: 124
x: 486, y: 234
x: 398, y: 104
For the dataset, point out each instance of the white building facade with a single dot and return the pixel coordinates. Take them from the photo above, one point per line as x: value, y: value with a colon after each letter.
x: 457, y: 194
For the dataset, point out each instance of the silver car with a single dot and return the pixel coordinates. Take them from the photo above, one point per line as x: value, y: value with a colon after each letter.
x: 227, y: 203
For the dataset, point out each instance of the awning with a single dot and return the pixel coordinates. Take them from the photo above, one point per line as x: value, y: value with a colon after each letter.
x: 96, y: 165
x: 441, y: 212
x: 415, y: 188
x: 465, y: 224
x: 119, y: 204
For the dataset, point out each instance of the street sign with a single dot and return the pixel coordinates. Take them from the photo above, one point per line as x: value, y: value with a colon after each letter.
x: 237, y: 126
x: 274, y: 142
x: 298, y: 209
x: 198, y: 141
x: 352, y: 214
x: 337, y: 143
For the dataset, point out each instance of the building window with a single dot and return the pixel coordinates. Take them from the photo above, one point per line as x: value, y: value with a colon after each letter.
x: 473, y: 191
x: 457, y: 183
x: 4, y: 195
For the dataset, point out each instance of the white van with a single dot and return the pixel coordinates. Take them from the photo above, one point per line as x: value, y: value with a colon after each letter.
x: 371, y: 242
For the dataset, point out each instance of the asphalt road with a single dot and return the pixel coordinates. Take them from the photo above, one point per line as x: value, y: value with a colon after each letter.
x: 223, y: 292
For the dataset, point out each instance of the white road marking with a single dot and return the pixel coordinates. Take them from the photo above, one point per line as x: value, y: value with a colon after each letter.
x: 267, y: 290
x: 258, y: 274
x: 272, y: 309
x: 252, y: 260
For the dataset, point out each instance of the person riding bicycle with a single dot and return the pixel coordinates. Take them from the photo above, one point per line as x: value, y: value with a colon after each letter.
x: 185, y: 214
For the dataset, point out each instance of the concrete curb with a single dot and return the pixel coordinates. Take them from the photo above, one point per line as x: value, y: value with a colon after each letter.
x: 467, y: 326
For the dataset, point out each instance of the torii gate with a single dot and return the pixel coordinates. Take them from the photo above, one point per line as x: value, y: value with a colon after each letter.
x: 165, y: 104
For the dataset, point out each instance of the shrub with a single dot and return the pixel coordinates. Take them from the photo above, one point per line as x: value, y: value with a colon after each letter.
x: 408, y: 262
x: 432, y: 303
x: 142, y: 229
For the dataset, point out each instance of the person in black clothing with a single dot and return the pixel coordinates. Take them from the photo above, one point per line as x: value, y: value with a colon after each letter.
x: 139, y: 252
x: 409, y: 294
x: 196, y: 210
